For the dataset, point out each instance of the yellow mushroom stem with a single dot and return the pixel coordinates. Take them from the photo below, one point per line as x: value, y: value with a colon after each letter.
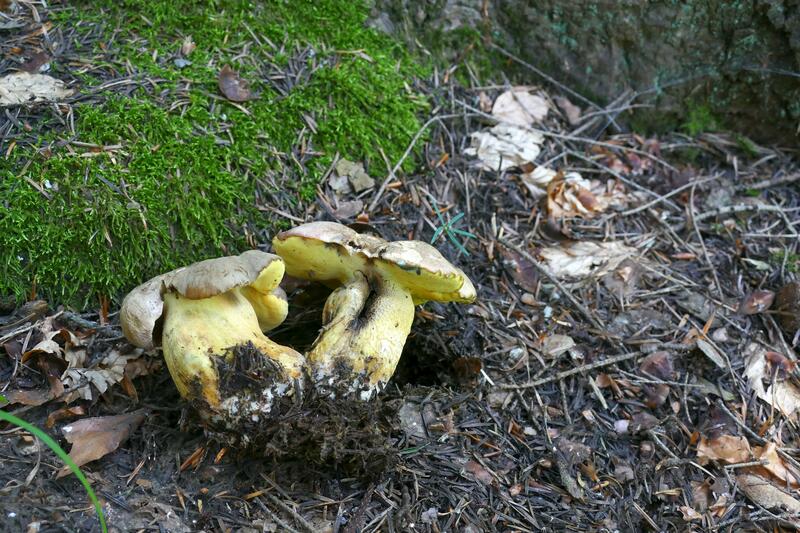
x: 365, y: 325
x: 195, y: 332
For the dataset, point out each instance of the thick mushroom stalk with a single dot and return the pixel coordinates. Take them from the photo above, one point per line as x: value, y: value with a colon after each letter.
x: 367, y: 319
x: 212, y: 316
x: 365, y: 325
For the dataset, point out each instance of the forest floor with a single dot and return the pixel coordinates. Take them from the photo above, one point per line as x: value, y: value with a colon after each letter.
x: 624, y: 367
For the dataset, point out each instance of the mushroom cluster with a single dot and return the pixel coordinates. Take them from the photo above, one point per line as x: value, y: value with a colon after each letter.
x: 212, y: 316
x: 368, y: 316
x: 200, y: 315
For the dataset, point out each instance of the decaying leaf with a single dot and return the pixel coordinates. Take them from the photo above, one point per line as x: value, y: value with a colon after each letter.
x: 658, y: 365
x: 783, y: 395
x: 480, y: 473
x: 93, y: 438
x: 64, y: 412
x: 711, y: 352
x: 569, y: 194
x: 233, y: 87
x: 756, y: 302
x: 725, y: 448
x: 762, y: 492
x: 519, y: 107
x: 689, y: 513
x: 107, y: 372
x: 555, y: 345
x: 776, y: 466
x: 505, y: 146
x: 31, y: 397
x: 523, y: 272
x: 578, y: 260
x: 21, y: 88
x: 572, y: 112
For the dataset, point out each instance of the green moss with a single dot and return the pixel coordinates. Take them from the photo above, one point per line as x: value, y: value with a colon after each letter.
x: 700, y: 119
x: 181, y: 185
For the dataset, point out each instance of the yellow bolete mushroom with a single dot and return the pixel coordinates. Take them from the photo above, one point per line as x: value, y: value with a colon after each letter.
x: 367, y: 318
x: 201, y: 315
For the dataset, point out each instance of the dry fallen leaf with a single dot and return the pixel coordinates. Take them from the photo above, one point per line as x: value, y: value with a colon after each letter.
x: 569, y: 194
x: 725, y: 448
x: 783, y: 396
x: 689, y: 513
x: 523, y: 272
x: 787, y: 307
x: 505, y: 146
x: 555, y: 345
x: 712, y: 353
x: 233, y: 87
x: 572, y: 112
x: 105, y: 373
x: 519, y: 107
x: 21, y: 88
x: 763, y: 493
x: 776, y: 465
x: 756, y: 302
x: 93, y: 438
x: 578, y: 260
x: 480, y: 473
x: 64, y: 412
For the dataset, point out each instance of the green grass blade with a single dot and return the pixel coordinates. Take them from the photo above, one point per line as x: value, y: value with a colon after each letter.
x: 53, y: 445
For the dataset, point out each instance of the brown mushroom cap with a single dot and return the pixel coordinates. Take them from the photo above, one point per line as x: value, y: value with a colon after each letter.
x: 144, y: 305
x: 327, y: 251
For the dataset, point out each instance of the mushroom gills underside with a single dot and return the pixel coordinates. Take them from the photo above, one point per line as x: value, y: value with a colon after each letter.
x: 365, y: 326
x: 202, y: 337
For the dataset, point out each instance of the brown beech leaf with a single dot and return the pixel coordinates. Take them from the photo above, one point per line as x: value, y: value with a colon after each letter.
x: 64, y: 412
x: 480, y: 473
x: 523, y: 272
x: 31, y: 397
x: 776, y: 465
x: 233, y: 87
x: 93, y: 438
x: 725, y: 448
x: 659, y: 365
x: 756, y: 302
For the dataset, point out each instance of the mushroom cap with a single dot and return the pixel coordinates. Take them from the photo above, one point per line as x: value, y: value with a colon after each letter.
x: 144, y: 305
x: 327, y: 251
x: 214, y: 276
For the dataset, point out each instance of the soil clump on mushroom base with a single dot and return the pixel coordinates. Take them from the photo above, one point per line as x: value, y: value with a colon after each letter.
x: 351, y: 437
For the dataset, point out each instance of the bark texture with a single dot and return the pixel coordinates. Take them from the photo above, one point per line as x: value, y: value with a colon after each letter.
x: 740, y: 60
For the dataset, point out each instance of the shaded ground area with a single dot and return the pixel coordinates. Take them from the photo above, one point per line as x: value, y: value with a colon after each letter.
x: 585, y: 390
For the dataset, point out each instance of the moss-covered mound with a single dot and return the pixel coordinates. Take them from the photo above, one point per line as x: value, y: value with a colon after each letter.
x: 161, y: 170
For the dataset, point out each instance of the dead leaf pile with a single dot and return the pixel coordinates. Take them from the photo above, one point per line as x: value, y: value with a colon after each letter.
x: 582, y: 259
x: 571, y: 195
x: 773, y: 484
x: 21, y: 88
x: 519, y: 107
x: 505, y: 146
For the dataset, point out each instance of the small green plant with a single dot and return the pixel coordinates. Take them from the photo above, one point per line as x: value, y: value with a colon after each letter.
x: 448, y: 228
x: 700, y: 120
x: 58, y: 450
x: 791, y: 259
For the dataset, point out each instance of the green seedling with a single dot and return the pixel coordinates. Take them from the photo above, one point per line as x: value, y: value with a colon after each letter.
x: 448, y: 228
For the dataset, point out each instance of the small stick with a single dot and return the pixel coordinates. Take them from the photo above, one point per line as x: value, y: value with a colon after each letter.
x: 595, y: 365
